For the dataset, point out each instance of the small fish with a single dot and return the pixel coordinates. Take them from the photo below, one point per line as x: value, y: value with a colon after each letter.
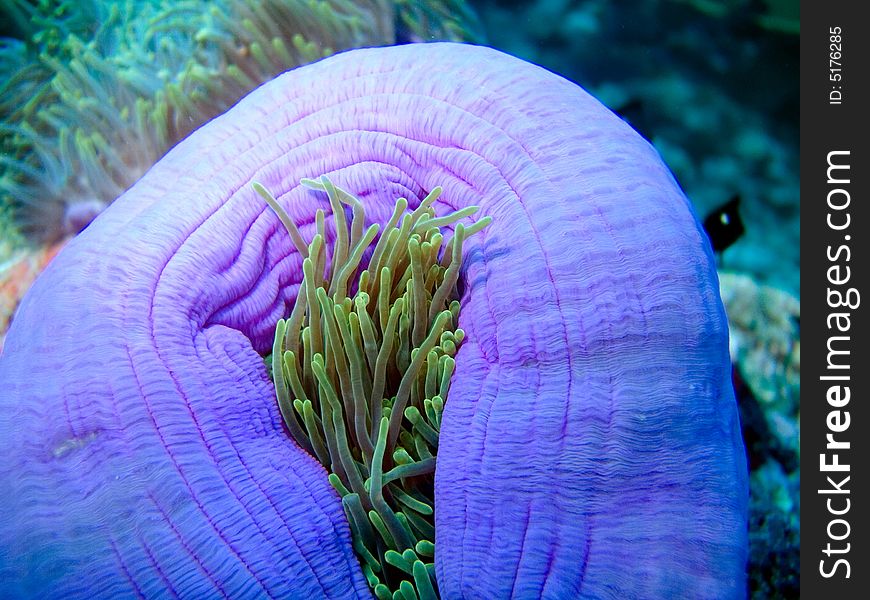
x: 632, y: 107
x: 724, y: 225
x: 635, y: 114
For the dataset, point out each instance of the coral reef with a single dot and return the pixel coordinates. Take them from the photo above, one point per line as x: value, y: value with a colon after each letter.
x: 16, y: 276
x: 764, y: 323
x: 765, y: 346
x: 590, y: 445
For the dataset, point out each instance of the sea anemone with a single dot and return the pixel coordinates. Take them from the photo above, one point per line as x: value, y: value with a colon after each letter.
x: 590, y: 446
x: 95, y: 92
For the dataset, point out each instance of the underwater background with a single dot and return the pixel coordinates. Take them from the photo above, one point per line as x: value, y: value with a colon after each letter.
x: 93, y: 93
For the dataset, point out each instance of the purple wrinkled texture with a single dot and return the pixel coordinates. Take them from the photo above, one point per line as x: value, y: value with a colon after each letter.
x: 590, y: 447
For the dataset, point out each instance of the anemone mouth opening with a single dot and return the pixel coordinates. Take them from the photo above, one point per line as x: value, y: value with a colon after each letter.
x: 362, y: 369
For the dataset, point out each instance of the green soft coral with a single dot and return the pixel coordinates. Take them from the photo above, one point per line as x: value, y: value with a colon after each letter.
x: 361, y: 378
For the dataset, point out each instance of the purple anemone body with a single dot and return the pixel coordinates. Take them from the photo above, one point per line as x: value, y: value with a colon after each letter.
x: 590, y: 446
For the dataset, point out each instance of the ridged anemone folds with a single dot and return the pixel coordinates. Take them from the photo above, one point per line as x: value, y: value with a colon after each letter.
x: 589, y: 447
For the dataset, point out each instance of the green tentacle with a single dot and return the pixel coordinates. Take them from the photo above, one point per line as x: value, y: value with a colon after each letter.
x: 368, y: 376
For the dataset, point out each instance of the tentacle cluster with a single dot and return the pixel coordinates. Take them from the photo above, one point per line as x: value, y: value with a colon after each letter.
x: 361, y: 380
x: 93, y: 93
